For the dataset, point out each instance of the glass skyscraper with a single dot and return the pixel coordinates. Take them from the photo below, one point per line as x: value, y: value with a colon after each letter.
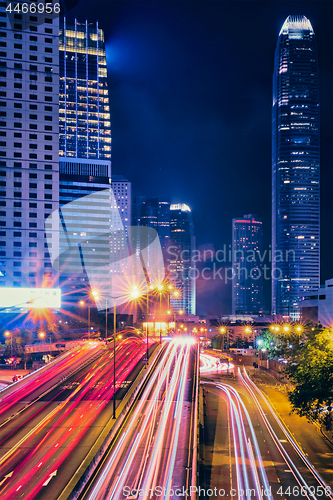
x: 85, y: 128
x: 295, y: 167
x: 180, y: 263
x: 247, y: 249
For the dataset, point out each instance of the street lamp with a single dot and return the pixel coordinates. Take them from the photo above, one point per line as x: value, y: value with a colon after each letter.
x: 42, y: 336
x: 299, y: 330
x: 160, y: 289
x: 134, y: 294
x: 93, y: 294
x: 222, y: 332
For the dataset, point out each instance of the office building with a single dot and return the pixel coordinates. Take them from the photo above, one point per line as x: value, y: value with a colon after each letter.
x: 247, y: 251
x: 295, y: 167
x: 179, y: 263
x: 86, y: 203
x: 85, y: 128
x: 121, y: 220
x: 317, y: 307
x: 29, y: 146
x: 153, y: 212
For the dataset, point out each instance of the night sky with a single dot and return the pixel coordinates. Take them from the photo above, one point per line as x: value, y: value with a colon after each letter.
x: 190, y: 87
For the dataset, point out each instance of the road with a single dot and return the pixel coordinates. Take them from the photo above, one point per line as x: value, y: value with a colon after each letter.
x: 35, y: 445
x: 247, y: 443
x: 151, y: 453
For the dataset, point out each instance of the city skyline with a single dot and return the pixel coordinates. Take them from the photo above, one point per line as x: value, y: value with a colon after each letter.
x: 216, y: 122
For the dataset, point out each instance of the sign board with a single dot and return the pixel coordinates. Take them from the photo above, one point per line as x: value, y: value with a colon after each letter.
x: 30, y: 298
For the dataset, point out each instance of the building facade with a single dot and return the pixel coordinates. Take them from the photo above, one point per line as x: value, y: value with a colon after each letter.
x: 318, y: 306
x: 121, y: 219
x: 155, y: 213
x: 85, y: 128
x: 180, y: 264
x: 295, y: 167
x: 29, y: 145
x: 84, y: 236
x: 247, y: 249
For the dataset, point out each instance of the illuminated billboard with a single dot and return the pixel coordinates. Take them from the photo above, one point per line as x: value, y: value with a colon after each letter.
x: 30, y: 298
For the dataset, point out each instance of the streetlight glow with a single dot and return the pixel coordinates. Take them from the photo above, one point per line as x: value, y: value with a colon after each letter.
x: 135, y: 293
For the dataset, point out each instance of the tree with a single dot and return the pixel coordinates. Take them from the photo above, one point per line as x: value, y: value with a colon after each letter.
x: 311, y: 372
x: 269, y: 341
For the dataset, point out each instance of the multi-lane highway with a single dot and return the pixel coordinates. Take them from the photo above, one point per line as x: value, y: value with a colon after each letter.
x: 149, y: 458
x: 44, y: 422
x: 249, y: 452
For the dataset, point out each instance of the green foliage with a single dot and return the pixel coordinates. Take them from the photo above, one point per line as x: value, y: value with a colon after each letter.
x: 270, y: 342
x: 311, y: 372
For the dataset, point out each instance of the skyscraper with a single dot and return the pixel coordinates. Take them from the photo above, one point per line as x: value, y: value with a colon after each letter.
x: 180, y: 264
x: 85, y: 214
x: 155, y: 213
x: 295, y: 167
x: 85, y: 159
x: 247, y: 251
x: 85, y: 128
x: 29, y: 131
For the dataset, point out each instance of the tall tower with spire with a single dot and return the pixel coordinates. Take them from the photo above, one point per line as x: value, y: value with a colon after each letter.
x: 295, y: 167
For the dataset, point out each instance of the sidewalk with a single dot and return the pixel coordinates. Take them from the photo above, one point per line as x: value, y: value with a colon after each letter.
x: 267, y: 378
x: 317, y: 447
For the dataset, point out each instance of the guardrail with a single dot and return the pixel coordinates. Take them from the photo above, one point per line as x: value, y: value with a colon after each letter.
x: 195, y: 430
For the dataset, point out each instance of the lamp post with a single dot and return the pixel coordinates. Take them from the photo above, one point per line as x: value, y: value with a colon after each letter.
x: 222, y: 332
x: 8, y: 334
x: 160, y: 289
x: 134, y: 295
x: 42, y: 336
x: 299, y: 330
x: 106, y: 319
x: 82, y: 304
x: 150, y: 287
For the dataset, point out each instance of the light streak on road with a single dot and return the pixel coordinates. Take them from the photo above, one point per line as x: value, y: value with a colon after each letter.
x: 249, y: 467
x: 210, y: 364
x: 65, y: 364
x: 145, y: 454
x: 55, y: 437
x: 306, y: 489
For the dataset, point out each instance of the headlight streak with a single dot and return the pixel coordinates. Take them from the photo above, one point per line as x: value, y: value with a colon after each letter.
x: 154, y: 458
x: 248, y: 382
x: 145, y: 432
x: 298, y: 477
x: 242, y: 442
x: 176, y: 425
x: 30, y: 383
x: 112, y: 461
x: 208, y: 365
x: 154, y: 462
